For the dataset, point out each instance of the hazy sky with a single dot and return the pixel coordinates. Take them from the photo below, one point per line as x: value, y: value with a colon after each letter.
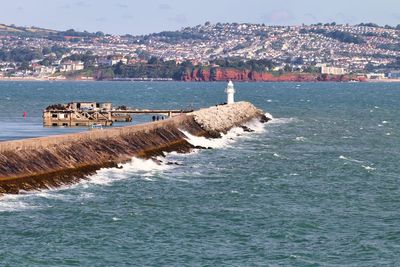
x: 146, y: 16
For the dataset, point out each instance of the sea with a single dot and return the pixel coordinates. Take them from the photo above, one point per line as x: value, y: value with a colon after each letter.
x: 319, y: 185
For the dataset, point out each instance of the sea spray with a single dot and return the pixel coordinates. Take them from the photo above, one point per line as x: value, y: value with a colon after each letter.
x: 141, y: 167
x: 257, y: 126
x: 226, y: 139
x: 12, y: 203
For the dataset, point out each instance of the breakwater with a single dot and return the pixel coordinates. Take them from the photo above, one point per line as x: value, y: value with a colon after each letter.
x: 47, y: 162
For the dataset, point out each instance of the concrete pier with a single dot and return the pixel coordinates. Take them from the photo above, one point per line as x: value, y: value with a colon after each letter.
x: 52, y: 161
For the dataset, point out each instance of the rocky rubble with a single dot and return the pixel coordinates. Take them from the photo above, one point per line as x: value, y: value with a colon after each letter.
x: 221, y: 118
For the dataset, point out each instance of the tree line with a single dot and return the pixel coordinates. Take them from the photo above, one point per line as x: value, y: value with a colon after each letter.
x: 341, y: 36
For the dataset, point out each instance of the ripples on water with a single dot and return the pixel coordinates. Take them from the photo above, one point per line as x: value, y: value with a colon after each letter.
x: 319, y: 185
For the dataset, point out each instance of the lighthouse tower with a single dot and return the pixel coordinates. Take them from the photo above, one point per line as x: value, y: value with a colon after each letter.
x: 230, y: 91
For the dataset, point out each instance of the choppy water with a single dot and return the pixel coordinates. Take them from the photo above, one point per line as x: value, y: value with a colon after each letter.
x: 319, y: 186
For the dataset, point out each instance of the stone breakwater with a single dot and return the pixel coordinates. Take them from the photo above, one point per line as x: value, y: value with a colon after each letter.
x: 48, y: 162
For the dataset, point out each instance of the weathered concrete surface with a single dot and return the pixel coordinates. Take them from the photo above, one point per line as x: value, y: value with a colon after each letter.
x: 56, y: 160
x: 48, y: 141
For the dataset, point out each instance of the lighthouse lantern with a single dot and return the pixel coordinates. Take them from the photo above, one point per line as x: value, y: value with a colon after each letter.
x: 230, y: 92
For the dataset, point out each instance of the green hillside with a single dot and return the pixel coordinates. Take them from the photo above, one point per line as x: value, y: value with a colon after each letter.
x: 25, y: 31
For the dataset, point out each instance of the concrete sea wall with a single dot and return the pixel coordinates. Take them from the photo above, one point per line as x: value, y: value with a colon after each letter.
x: 48, y: 162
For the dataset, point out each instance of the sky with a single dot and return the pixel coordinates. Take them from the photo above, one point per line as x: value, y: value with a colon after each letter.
x: 148, y: 16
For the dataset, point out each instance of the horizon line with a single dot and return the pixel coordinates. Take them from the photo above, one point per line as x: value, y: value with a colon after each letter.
x: 211, y: 23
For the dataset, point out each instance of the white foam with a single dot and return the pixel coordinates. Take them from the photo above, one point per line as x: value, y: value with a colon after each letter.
x: 368, y: 168
x: 176, y: 155
x: 362, y: 163
x: 11, y: 203
x: 141, y: 167
x: 146, y: 169
x: 85, y: 195
x: 226, y: 139
x: 145, y: 165
x: 104, y: 177
x: 268, y: 115
x: 53, y: 195
x: 350, y: 159
x: 282, y: 120
x: 212, y: 142
x: 300, y: 139
x: 256, y: 126
x: 276, y: 155
x: 23, y: 201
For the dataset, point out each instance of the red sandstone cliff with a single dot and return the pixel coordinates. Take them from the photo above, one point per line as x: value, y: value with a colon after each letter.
x: 224, y: 74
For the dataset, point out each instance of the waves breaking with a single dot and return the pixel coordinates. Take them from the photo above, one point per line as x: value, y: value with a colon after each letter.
x: 146, y: 169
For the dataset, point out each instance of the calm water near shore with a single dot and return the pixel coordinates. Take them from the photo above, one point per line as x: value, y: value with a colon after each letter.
x: 318, y: 186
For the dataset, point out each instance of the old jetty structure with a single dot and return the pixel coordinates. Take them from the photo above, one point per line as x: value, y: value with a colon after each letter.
x: 48, y: 162
x: 78, y: 114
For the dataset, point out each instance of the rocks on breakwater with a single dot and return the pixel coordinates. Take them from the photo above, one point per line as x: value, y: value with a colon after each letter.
x: 221, y: 118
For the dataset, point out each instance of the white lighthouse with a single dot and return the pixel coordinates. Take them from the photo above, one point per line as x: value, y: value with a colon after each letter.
x: 230, y: 92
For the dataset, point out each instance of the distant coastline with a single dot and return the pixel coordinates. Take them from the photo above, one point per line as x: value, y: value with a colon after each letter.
x: 32, y: 79
x: 210, y: 52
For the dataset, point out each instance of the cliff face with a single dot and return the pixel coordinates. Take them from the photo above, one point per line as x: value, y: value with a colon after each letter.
x: 224, y: 74
x: 56, y: 160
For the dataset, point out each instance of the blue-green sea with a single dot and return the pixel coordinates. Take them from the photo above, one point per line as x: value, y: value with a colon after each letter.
x: 317, y: 186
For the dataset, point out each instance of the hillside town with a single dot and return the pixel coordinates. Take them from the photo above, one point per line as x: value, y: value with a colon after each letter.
x: 366, y: 50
